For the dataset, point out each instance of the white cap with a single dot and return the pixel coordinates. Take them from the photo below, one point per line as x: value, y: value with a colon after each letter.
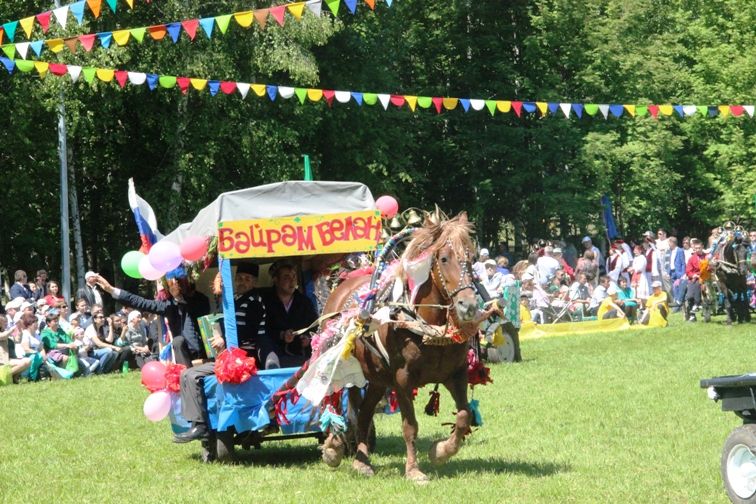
x: 655, y: 284
x: 586, y: 239
x: 557, y: 250
x: 15, y: 304
x: 89, y: 274
x: 133, y: 314
x: 490, y: 262
x: 484, y: 251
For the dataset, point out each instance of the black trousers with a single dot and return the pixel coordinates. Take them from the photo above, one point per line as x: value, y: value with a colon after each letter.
x: 193, y: 400
x: 693, y: 293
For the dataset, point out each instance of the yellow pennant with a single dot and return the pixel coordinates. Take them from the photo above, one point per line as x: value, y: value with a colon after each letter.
x: 450, y: 103
x: 105, y: 75
x: 259, y: 89
x: 121, y: 37
x: 296, y: 9
x: 504, y: 106
x: 198, y: 84
x: 244, y: 19
x: 666, y: 110
x: 314, y: 94
x: 131, y: 3
x: 724, y: 110
x: 27, y: 24
x: 630, y: 109
x: 41, y: 67
x: 411, y: 101
x: 543, y: 107
x: 55, y: 45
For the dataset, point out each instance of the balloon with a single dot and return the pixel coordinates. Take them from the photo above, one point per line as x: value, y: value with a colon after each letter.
x: 153, y: 376
x: 146, y: 269
x: 130, y: 263
x: 388, y: 206
x: 165, y: 256
x: 157, y: 405
x: 193, y: 248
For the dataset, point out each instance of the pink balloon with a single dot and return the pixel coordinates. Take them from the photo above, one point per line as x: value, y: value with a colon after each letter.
x: 388, y: 206
x: 157, y: 406
x: 146, y: 269
x: 165, y: 256
x: 153, y: 376
x: 193, y: 248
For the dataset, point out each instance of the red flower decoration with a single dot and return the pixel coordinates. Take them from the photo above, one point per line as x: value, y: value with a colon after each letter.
x: 477, y: 373
x: 234, y: 366
x: 173, y: 377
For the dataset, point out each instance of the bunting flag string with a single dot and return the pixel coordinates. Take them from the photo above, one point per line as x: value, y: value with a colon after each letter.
x: 173, y: 30
x: 362, y: 98
x: 60, y: 15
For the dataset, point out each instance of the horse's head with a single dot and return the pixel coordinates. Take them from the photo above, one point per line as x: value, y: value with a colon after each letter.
x: 451, y: 270
x: 740, y: 253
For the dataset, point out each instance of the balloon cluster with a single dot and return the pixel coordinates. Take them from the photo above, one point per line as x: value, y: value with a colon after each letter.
x: 161, y: 381
x: 163, y: 257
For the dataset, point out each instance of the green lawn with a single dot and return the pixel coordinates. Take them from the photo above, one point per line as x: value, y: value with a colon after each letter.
x: 595, y: 418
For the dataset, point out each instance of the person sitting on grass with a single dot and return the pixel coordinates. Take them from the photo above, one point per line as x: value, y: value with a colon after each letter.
x: 18, y: 366
x: 657, y: 308
x: 137, y: 340
x: 609, y: 309
x: 56, y: 343
x: 626, y: 299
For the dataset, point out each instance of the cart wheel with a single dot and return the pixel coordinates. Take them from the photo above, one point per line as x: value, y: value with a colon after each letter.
x: 510, y: 350
x: 224, y: 446
x: 739, y: 465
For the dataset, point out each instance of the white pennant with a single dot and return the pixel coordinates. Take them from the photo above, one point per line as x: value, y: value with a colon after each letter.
x: 565, y: 107
x: 61, y: 14
x: 604, y: 110
x: 22, y: 48
x: 137, y: 78
x: 749, y: 111
x: 74, y: 71
x: 477, y: 105
x: 343, y: 96
x: 690, y: 110
x: 384, y: 98
x: 243, y: 88
x: 315, y: 6
x: 285, y: 92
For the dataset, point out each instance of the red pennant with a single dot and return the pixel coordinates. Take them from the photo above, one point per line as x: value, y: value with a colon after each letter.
x: 517, y: 106
x: 654, y: 110
x: 737, y: 110
x: 328, y: 94
x: 183, y: 83
x: 58, y: 69
x: 278, y: 13
x: 190, y: 27
x: 87, y: 41
x: 437, y: 101
x: 371, y: 4
x: 228, y: 87
x: 397, y: 100
x: 121, y: 77
x: 44, y: 20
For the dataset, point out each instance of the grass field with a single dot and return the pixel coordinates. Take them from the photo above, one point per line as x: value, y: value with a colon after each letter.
x: 593, y: 418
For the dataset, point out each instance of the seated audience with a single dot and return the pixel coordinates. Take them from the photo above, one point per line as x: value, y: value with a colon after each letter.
x: 657, y: 308
x: 609, y: 309
x: 626, y: 299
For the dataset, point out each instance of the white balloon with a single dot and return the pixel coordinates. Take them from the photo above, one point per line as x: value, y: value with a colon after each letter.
x: 147, y: 270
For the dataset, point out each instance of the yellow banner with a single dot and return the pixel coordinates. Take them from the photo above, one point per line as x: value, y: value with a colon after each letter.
x: 300, y: 235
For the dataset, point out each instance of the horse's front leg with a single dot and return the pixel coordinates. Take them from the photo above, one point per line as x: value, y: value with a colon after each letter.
x: 442, y: 451
x: 361, y: 462
x: 409, y: 429
x: 728, y: 308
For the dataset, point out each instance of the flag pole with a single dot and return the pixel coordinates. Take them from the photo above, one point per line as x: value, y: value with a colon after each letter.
x: 65, y: 247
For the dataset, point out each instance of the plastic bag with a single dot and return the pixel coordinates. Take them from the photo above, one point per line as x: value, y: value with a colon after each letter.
x: 6, y: 375
x: 72, y: 364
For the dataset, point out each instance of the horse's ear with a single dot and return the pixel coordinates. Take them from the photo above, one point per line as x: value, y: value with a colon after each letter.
x: 463, y: 217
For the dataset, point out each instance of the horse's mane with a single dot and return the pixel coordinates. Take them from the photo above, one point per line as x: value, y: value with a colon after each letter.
x: 436, y: 231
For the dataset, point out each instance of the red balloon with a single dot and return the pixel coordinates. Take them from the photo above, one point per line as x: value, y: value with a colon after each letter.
x: 388, y: 206
x: 153, y: 376
x: 194, y: 248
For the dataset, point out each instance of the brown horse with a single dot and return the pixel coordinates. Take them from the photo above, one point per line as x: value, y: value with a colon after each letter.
x: 446, y: 299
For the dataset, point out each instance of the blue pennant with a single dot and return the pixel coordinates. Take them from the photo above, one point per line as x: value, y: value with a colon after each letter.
x: 272, y: 92
x: 207, y: 25
x: 529, y: 107
x: 713, y: 112
x: 174, y: 30
x: 77, y: 9
x: 578, y: 109
x: 9, y: 64
x: 389, y: 2
x: 152, y: 81
x: 465, y: 103
x: 105, y: 39
x: 679, y: 110
x: 10, y: 30
x: 214, y: 87
x: 616, y: 110
x: 553, y: 107
x: 357, y: 97
x: 351, y: 5
x: 37, y: 46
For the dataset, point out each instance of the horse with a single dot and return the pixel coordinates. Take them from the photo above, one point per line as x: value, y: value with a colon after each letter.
x: 446, y: 298
x: 729, y: 268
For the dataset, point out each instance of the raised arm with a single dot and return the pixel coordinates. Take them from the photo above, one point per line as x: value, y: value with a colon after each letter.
x: 126, y: 297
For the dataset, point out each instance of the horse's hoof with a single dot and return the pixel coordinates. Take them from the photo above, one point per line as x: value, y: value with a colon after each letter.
x: 417, y: 476
x: 437, y: 453
x: 332, y: 456
x: 363, y: 468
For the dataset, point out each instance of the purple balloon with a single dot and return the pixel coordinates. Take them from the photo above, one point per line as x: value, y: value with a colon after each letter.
x: 165, y: 256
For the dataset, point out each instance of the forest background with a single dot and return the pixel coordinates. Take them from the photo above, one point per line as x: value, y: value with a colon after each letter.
x: 519, y: 177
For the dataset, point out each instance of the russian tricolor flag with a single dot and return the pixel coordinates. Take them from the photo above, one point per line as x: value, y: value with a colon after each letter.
x: 145, y: 220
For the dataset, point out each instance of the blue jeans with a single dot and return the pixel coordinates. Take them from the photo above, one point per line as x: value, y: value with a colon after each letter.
x: 678, y: 290
x: 106, y: 356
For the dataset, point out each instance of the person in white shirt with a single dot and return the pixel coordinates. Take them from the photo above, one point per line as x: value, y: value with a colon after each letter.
x: 598, y: 258
x: 547, y: 266
x: 615, y: 265
x: 479, y: 268
x: 493, y: 281
x: 599, y: 294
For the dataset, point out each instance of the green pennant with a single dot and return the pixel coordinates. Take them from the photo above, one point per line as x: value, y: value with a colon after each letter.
x: 424, y: 101
x: 491, y: 104
x: 333, y: 5
x: 301, y: 94
x: 641, y: 110
x: 223, y: 22
x: 167, y: 81
x: 703, y: 110
x: 138, y: 34
x: 369, y: 98
x: 113, y: 4
x: 591, y: 109
x: 10, y: 50
x: 89, y: 74
x: 25, y: 65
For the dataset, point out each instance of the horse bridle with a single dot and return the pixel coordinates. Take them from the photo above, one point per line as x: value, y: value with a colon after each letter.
x: 466, y: 268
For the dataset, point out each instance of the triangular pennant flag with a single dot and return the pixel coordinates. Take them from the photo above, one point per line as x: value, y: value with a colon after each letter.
x: 591, y: 109
x: 369, y: 98
x: 630, y: 110
x: 9, y: 64
x: 328, y: 95
x: 9, y: 50
x: 278, y: 13
x: 712, y: 111
x: 25, y: 65
x: 357, y: 97
x: 654, y: 111
x: 213, y: 86
x: 301, y: 94
x: 113, y: 4
x: 477, y: 105
x: 565, y: 108
x: 578, y: 109
x: 437, y: 101
x: 138, y: 33
x: 351, y: 5
x: 27, y: 24
x: 183, y: 84
x: 424, y: 101
x: 87, y: 41
x: 137, y: 78
x: 121, y: 76
x: 152, y: 81
x: 57, y: 69
x: 37, y: 46
x: 243, y: 89
x: 89, y: 74
x: 451, y: 103
x: 341, y: 96
x: 190, y: 27
x: 272, y: 92
x: 679, y: 110
x: 167, y: 81
x: 371, y: 4
x: 517, y: 106
x: 724, y: 110
x: 199, y: 84
x: 333, y: 5
x: 412, y: 102
x: 503, y: 106
x: 95, y: 6
x: 316, y: 6
x: 207, y: 25
x: 42, y: 67
x: 737, y: 110
x: 55, y: 45
x: 690, y: 110
x: 105, y: 74
x: 666, y: 110
x: 261, y: 15
x: 174, y: 30
x: 543, y: 108
x: 244, y: 19
x: 389, y: 2
x: 10, y: 30
x: 604, y: 108
x: 529, y: 107
x: 616, y: 110
x: 77, y: 9
x: 465, y: 103
x: 121, y: 37
x: 641, y: 110
x: 314, y: 94
x: 223, y: 22
x: 749, y: 111
x: 157, y: 32
x: 44, y: 20
x: 296, y: 9
x: 75, y: 72
x: 260, y: 89
x: 105, y: 39
x: 71, y: 44
x: 131, y: 3
x: 61, y: 15
x: 553, y: 107
x: 384, y: 99
x: 492, y: 106
x: 23, y: 49
x: 287, y: 92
